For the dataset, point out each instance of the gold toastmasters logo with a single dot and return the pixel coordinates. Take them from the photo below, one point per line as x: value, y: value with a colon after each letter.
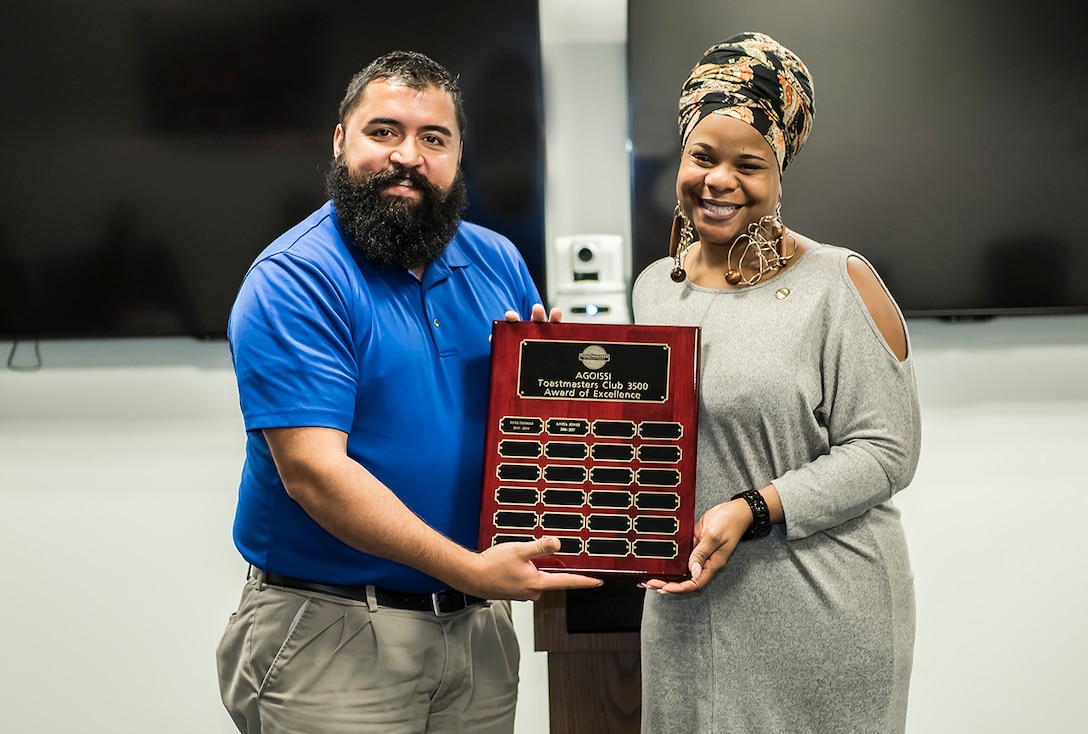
x: 594, y: 357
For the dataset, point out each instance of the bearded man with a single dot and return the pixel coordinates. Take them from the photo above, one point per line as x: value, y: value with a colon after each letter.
x: 360, y: 341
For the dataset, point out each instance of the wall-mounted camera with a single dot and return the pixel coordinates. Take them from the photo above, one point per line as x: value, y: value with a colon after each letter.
x: 587, y: 278
x: 587, y: 261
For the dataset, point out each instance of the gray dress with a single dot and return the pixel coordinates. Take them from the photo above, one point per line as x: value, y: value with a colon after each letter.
x: 810, y: 629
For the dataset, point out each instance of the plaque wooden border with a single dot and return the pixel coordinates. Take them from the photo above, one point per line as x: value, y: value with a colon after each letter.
x: 591, y: 437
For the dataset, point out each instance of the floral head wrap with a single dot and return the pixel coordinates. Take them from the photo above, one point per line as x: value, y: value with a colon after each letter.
x: 757, y: 80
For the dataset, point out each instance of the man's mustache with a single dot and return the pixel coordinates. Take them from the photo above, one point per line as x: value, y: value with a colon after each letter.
x: 399, y: 172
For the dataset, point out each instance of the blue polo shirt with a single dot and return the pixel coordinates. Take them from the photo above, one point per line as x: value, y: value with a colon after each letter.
x: 320, y: 337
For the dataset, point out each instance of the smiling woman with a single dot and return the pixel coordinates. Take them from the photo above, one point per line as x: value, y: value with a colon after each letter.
x: 728, y: 182
x: 808, y: 425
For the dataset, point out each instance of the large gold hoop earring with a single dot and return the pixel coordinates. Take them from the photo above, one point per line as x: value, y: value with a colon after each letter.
x: 755, y: 244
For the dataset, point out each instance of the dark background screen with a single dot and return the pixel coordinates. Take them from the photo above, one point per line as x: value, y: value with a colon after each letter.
x: 151, y: 149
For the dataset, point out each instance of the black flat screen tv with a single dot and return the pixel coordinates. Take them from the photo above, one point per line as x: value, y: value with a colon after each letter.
x: 152, y: 148
x: 950, y: 144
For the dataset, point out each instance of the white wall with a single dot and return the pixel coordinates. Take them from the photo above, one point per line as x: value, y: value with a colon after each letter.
x: 584, y: 59
x: 994, y: 520
x: 119, y: 462
x: 118, y: 467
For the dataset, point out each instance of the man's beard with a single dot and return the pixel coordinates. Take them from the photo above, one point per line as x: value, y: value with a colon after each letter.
x: 389, y: 230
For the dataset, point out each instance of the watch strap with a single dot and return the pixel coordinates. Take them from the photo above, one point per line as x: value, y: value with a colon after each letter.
x: 761, y: 514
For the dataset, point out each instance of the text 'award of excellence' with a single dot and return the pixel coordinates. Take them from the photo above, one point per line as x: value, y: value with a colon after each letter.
x: 591, y: 438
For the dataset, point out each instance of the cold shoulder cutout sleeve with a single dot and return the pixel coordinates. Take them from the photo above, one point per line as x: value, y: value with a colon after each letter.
x: 880, y: 304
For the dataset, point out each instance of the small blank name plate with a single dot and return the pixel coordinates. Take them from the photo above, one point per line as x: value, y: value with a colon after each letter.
x: 591, y: 438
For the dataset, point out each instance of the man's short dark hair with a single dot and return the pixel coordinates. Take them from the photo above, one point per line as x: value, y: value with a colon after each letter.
x: 410, y: 68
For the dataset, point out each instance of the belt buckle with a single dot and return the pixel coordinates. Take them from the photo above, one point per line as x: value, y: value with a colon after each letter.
x: 436, y: 605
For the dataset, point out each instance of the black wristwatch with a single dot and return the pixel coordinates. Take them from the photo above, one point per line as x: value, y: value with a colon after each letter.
x: 761, y: 514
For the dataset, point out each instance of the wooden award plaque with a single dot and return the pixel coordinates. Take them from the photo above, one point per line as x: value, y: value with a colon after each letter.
x: 591, y: 438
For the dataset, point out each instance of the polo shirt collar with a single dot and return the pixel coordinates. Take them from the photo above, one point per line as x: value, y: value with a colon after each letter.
x: 451, y: 258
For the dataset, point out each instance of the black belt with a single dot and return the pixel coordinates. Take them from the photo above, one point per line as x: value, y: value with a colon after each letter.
x: 438, y: 603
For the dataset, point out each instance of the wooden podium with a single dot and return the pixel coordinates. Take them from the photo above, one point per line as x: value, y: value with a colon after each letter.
x: 594, y: 676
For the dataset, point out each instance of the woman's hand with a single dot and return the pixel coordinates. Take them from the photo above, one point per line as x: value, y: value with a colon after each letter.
x: 717, y: 533
x: 716, y: 536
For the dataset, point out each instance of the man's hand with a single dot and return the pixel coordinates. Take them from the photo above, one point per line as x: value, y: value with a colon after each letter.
x: 554, y: 316
x: 506, y: 571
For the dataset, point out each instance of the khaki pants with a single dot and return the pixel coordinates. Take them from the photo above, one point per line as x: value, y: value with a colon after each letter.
x: 300, y: 662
